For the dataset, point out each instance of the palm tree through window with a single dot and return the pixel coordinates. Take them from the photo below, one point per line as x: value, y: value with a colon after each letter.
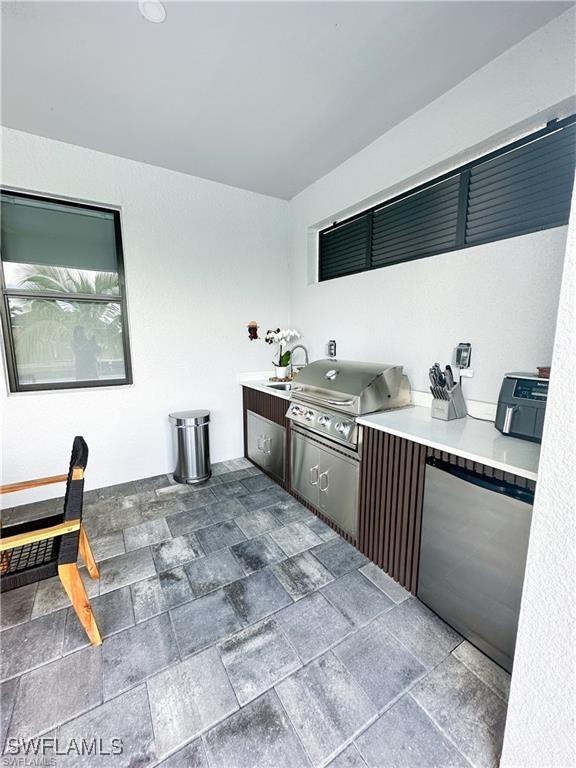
x: 63, y: 313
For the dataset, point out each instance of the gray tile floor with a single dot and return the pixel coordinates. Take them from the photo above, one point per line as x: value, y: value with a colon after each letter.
x: 240, y: 631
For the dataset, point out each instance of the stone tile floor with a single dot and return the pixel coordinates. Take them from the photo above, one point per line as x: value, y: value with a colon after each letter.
x: 240, y: 631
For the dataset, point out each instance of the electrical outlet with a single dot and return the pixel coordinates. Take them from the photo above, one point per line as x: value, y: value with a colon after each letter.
x: 331, y: 348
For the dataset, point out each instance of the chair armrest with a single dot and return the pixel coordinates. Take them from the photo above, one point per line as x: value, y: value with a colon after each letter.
x: 77, y: 474
x: 52, y: 532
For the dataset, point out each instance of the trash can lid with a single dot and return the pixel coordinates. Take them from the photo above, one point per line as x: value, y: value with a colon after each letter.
x: 190, y: 418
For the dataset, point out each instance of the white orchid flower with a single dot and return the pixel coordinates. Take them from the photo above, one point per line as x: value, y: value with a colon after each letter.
x: 281, y: 337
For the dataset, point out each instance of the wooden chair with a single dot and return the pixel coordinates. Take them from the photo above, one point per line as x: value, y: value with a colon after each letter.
x: 32, y: 551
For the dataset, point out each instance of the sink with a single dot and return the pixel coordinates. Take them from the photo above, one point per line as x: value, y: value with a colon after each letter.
x: 284, y: 386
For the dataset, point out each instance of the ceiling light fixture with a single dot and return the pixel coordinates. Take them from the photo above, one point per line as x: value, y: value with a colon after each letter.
x: 152, y: 10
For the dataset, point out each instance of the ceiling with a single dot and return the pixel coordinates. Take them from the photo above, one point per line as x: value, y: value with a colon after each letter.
x: 267, y: 96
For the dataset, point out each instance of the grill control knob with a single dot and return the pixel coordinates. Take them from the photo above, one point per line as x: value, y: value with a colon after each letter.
x: 309, y: 415
x: 295, y: 410
x: 324, y: 421
x: 342, y: 428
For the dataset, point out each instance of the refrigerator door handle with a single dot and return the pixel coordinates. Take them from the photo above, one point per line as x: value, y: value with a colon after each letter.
x: 481, y: 481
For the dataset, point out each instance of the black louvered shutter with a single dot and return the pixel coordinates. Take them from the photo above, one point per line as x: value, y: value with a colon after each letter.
x: 418, y: 225
x: 522, y: 188
x: 522, y: 191
x: 344, y: 249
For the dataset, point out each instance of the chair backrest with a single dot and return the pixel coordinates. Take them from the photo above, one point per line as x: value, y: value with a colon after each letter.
x: 75, y: 487
x: 39, y: 560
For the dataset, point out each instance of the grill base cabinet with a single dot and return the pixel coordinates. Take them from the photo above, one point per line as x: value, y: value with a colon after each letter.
x: 272, y: 410
x: 265, y: 442
x: 327, y: 479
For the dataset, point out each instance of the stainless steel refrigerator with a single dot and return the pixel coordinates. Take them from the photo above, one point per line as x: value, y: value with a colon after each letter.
x: 475, y: 534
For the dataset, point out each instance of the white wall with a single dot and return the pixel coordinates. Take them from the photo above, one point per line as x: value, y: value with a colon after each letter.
x: 541, y: 724
x: 500, y: 297
x: 202, y: 259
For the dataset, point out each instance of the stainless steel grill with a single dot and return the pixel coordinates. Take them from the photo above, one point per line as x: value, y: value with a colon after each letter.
x: 327, y: 395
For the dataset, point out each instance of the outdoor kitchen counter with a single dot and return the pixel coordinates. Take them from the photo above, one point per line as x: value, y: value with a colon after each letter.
x: 469, y: 438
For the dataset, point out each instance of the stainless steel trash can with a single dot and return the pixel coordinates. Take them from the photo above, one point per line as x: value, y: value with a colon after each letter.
x: 192, y: 446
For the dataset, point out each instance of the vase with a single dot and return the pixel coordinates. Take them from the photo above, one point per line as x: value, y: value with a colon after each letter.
x: 281, y: 371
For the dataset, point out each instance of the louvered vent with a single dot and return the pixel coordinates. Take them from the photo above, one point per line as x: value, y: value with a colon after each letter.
x: 418, y: 225
x: 522, y: 191
x: 523, y: 187
x: 344, y: 249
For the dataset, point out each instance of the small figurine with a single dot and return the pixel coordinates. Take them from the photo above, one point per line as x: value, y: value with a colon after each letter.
x: 253, y: 330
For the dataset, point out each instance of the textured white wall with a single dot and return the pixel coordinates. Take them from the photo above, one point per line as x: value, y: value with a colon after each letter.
x: 501, y: 297
x: 541, y: 724
x: 202, y: 259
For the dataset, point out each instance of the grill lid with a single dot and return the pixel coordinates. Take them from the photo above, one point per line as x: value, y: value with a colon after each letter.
x: 344, y: 376
x: 351, y: 386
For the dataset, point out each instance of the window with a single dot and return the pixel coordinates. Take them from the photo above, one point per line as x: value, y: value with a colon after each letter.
x: 521, y: 188
x: 63, y: 303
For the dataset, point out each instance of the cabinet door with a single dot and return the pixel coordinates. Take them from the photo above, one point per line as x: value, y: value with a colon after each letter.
x: 338, y: 490
x: 266, y: 444
x: 274, y: 438
x: 254, y: 438
x: 305, y: 468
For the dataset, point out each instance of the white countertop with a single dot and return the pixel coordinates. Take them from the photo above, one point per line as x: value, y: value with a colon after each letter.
x: 472, y: 439
x: 475, y: 440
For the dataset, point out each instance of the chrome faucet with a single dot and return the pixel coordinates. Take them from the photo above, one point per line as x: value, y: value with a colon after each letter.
x: 297, y: 368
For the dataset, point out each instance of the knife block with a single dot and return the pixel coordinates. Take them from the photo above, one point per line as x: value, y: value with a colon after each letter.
x: 453, y: 408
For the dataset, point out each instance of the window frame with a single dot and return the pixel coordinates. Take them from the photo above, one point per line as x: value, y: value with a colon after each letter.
x: 14, y: 384
x: 464, y: 172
